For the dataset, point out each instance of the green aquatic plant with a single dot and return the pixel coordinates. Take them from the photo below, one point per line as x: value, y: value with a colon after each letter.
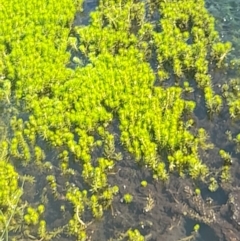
x: 220, y: 51
x: 225, y: 174
x: 32, y: 216
x: 197, y: 191
x: 213, y: 184
x: 230, y: 92
x: 134, y: 235
x: 53, y: 185
x: 10, y: 208
x: 203, y: 139
x: 144, y: 183
x: 226, y: 157
x: 9, y: 182
x: 127, y: 198
x: 112, y: 104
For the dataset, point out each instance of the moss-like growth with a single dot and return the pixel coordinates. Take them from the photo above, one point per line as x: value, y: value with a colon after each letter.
x: 127, y: 198
x: 111, y: 85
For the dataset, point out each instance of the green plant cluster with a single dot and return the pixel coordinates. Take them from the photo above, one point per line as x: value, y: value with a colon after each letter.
x: 10, y: 193
x: 72, y: 110
x: 231, y: 92
x: 146, y: 116
x: 135, y: 235
x: 32, y: 216
x: 9, y: 184
x: 188, y: 44
x: 118, y: 81
x: 131, y: 235
x: 127, y: 198
x: 82, y: 200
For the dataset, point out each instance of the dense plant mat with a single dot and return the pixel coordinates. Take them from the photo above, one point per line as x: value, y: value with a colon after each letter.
x: 80, y: 102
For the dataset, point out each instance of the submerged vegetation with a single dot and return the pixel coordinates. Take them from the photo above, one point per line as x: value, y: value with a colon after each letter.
x: 78, y: 100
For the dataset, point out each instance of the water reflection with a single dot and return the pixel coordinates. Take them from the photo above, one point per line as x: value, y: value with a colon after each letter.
x: 82, y: 18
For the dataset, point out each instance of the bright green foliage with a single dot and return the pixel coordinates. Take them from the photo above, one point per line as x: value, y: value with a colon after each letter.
x: 226, y: 157
x: 187, y: 35
x: 115, y: 81
x: 42, y: 228
x: 73, y: 109
x: 41, y: 209
x: 127, y: 198
x: 213, y: 184
x: 196, y: 228
x: 197, y: 191
x: 144, y: 183
x: 225, y: 174
x: 32, y: 216
x: 39, y: 35
x: 10, y: 194
x: 220, y: 50
x: 134, y: 235
x: 8, y: 183
x: 5, y: 90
